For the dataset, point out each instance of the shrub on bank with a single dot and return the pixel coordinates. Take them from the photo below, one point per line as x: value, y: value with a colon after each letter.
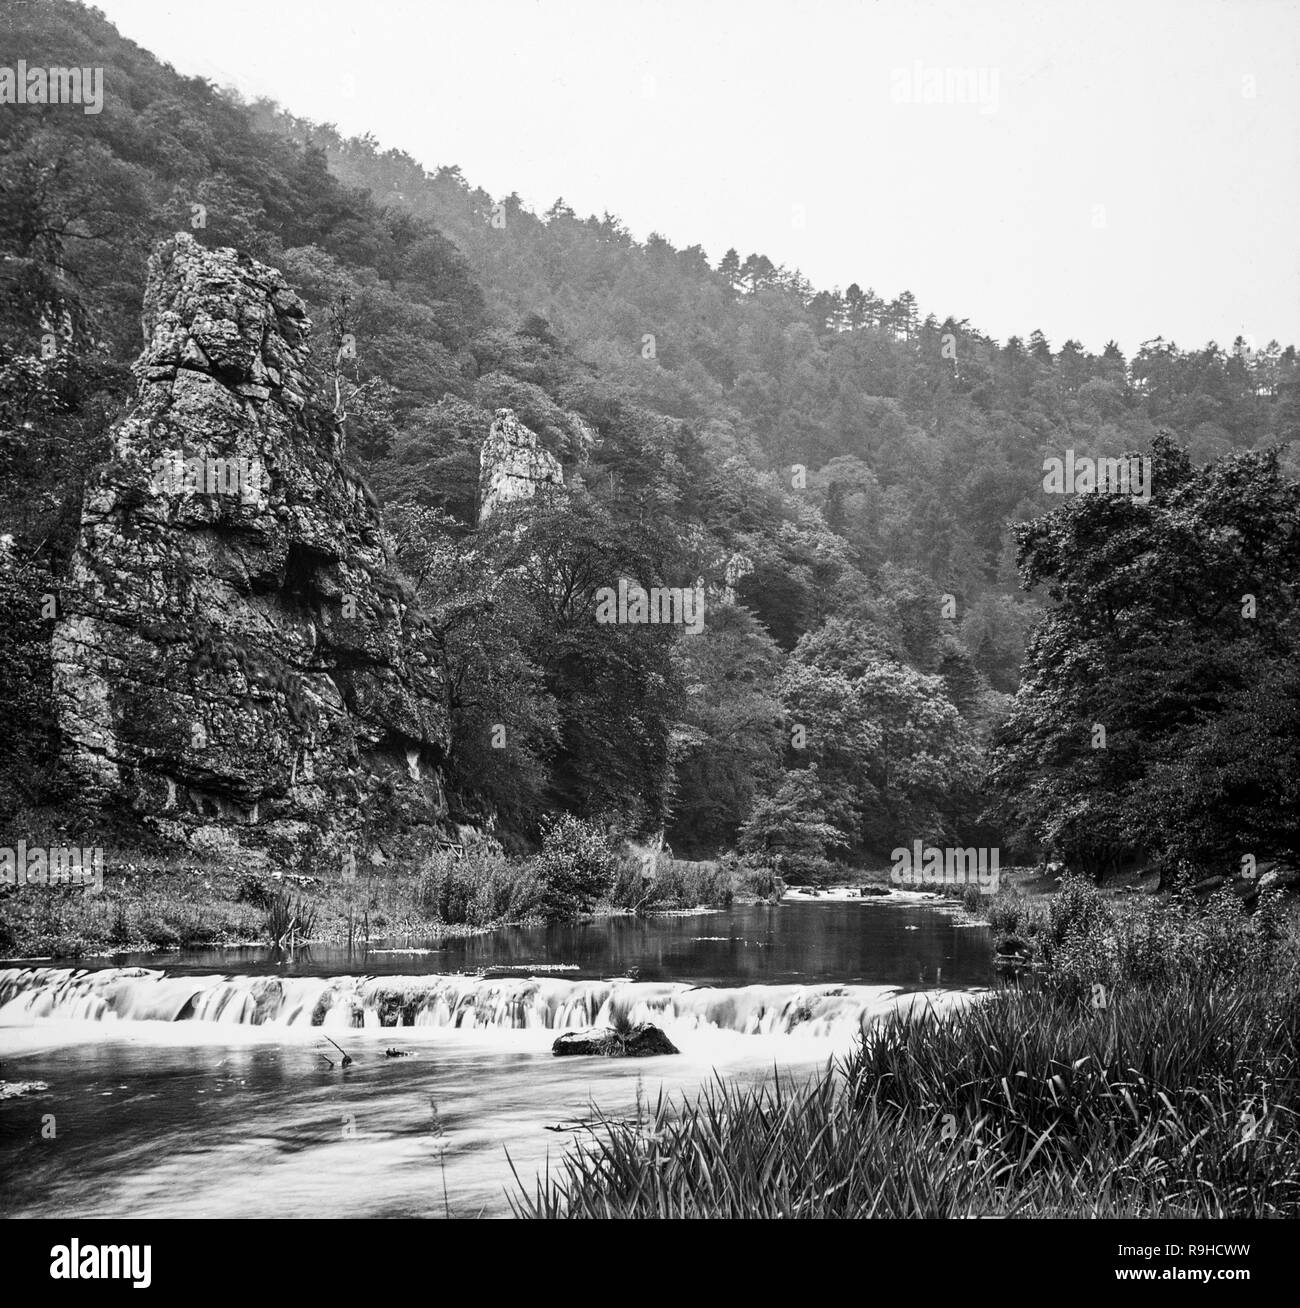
x: 800, y: 869
x: 1008, y: 912
x: 576, y: 867
x: 1089, y: 938
x: 254, y: 888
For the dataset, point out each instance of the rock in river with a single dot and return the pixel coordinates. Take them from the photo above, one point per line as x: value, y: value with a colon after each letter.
x: 641, y: 1041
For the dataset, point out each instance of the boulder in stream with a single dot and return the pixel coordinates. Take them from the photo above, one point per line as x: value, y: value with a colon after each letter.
x: 643, y: 1041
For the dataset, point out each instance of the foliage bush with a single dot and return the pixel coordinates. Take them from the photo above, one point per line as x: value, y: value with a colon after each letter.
x: 1007, y: 912
x: 1078, y: 908
x: 971, y: 897
x: 254, y: 888
x: 576, y: 867
x: 678, y: 883
x: 1157, y: 942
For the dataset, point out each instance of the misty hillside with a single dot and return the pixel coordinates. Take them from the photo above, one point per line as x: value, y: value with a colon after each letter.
x: 847, y: 467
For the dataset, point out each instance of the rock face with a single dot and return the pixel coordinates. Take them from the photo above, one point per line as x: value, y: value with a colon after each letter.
x: 513, y: 465
x: 643, y: 1041
x: 1278, y: 877
x: 235, y: 650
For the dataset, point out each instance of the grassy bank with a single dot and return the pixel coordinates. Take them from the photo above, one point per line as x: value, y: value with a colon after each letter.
x: 156, y: 899
x: 1149, y: 1068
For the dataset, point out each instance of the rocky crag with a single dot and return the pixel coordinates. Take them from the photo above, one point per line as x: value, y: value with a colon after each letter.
x: 236, y: 656
x: 513, y: 466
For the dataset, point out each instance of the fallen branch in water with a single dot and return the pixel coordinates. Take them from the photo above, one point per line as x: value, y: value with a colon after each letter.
x: 347, y: 1058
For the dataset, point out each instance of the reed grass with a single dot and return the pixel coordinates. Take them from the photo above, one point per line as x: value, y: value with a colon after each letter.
x: 289, y: 919
x: 1031, y: 1105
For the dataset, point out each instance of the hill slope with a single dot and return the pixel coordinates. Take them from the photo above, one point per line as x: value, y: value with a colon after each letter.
x: 837, y: 473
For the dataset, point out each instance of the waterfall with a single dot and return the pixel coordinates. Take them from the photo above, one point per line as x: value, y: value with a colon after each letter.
x: 28, y: 995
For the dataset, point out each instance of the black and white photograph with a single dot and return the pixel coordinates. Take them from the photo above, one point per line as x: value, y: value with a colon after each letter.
x: 679, y: 610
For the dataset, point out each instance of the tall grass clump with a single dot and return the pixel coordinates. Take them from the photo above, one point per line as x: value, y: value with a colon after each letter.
x: 751, y: 877
x: 289, y: 919
x: 677, y: 883
x: 627, y: 885
x: 779, y: 1150
x: 682, y: 884
x: 1154, y: 1096
x: 478, y: 888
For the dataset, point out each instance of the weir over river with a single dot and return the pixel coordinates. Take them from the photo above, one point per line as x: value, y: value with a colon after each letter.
x: 212, y: 1083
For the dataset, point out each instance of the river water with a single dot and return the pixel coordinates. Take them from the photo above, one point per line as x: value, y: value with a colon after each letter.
x: 201, y: 1084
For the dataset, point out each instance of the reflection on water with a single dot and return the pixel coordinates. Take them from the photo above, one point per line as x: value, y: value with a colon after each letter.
x: 849, y: 942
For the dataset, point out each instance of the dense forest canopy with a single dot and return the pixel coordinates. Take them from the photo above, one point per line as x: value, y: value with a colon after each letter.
x: 841, y: 471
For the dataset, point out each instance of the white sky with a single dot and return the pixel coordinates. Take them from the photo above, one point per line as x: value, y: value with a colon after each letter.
x: 709, y: 121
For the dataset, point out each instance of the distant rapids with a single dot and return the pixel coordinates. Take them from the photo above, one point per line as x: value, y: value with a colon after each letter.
x: 28, y: 995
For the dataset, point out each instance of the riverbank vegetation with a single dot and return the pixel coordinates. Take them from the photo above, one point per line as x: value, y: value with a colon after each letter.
x: 157, y: 899
x: 1150, y: 1069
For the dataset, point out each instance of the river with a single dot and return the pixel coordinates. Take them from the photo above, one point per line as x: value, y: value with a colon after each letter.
x: 210, y: 1083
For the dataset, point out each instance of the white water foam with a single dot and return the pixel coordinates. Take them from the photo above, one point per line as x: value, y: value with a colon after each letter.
x: 111, y: 995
